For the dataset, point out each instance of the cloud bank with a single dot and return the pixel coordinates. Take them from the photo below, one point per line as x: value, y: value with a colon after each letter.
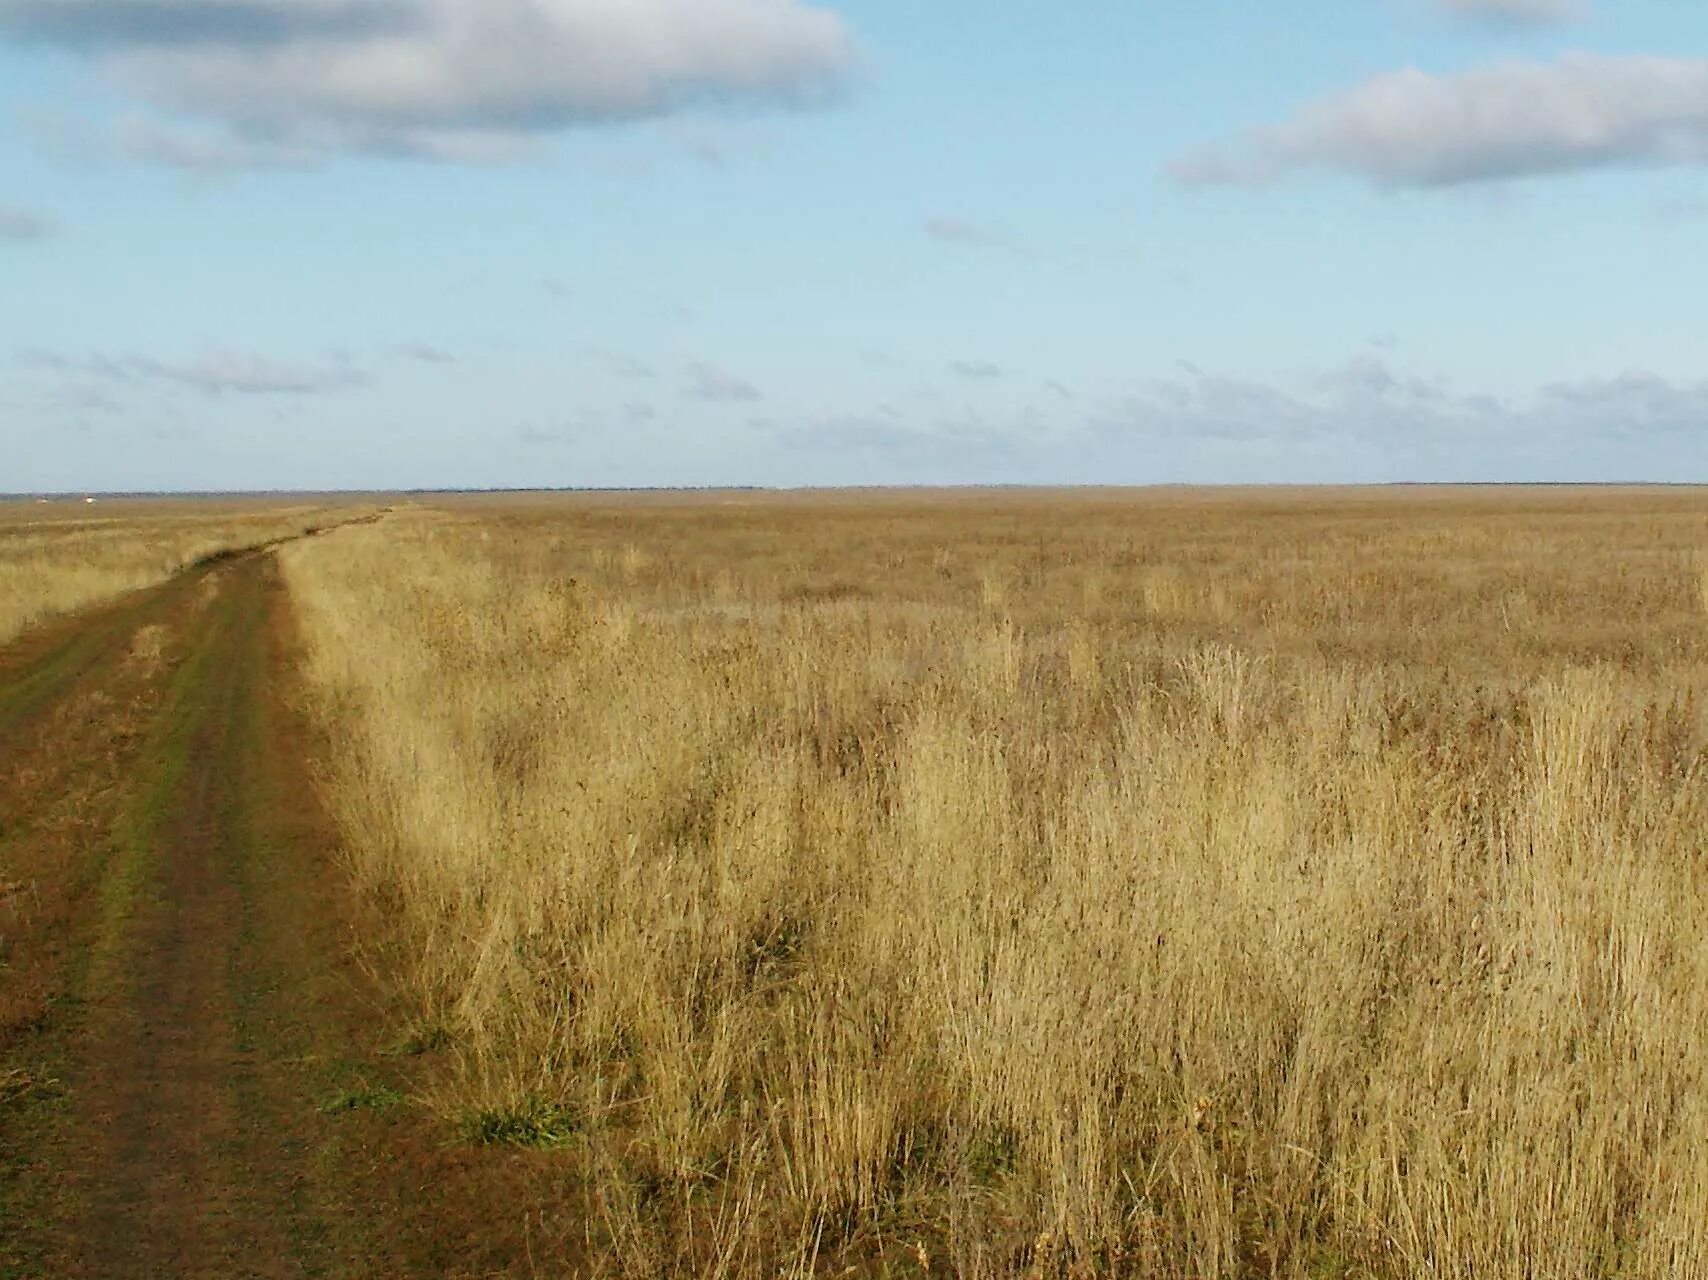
x: 1512, y: 120
x: 447, y: 79
x: 214, y: 372
x: 1416, y: 426
x: 1366, y: 419
x: 95, y: 24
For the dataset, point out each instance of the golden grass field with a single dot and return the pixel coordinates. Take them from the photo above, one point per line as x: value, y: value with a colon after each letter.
x: 58, y: 557
x: 1197, y: 884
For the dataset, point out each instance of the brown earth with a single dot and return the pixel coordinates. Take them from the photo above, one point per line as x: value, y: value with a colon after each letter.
x: 196, y: 1078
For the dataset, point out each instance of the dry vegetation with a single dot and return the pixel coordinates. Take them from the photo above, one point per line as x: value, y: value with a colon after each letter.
x: 59, y: 557
x: 1158, y: 885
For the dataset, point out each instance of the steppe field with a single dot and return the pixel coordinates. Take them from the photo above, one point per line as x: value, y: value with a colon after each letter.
x: 1151, y: 883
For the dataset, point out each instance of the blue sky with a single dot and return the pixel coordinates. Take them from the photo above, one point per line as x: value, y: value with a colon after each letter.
x: 384, y: 243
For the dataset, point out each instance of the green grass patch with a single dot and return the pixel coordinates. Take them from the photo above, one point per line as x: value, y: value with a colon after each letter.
x: 22, y: 1084
x: 992, y: 1154
x: 534, y: 1124
x: 362, y: 1098
x: 427, y: 1039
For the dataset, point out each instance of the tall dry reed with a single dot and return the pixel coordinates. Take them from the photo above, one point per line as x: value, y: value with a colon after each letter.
x: 1152, y: 885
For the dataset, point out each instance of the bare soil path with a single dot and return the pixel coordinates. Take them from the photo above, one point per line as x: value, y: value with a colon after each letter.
x: 173, y: 1187
x: 193, y: 1076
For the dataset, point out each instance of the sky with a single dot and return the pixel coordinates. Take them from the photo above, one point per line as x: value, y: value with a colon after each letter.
x: 272, y: 244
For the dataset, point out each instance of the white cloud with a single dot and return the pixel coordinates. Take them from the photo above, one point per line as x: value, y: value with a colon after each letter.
x: 1527, y: 12
x: 426, y: 353
x: 93, y: 24
x: 1364, y: 420
x: 708, y: 382
x: 968, y: 234
x: 1515, y: 119
x: 1371, y: 407
x: 24, y: 224
x: 444, y: 79
x: 203, y: 151
x: 246, y: 373
x: 1632, y: 405
x: 215, y: 372
x: 976, y: 368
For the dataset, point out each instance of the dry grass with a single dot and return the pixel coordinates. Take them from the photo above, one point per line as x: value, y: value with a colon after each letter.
x: 1156, y: 885
x: 60, y: 557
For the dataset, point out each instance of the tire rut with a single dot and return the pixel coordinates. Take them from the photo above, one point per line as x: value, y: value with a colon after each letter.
x: 174, y: 1189
x: 227, y: 1098
x: 39, y: 672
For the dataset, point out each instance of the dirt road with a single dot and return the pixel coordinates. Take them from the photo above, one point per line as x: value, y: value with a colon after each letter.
x: 194, y: 1078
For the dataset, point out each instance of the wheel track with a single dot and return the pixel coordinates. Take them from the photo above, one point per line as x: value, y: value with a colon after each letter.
x: 173, y: 1189
x: 208, y: 1008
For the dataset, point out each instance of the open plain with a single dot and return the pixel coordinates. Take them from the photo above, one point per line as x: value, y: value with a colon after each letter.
x: 1196, y: 883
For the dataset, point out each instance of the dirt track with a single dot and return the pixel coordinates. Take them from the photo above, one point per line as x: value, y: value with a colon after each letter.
x: 194, y: 1079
